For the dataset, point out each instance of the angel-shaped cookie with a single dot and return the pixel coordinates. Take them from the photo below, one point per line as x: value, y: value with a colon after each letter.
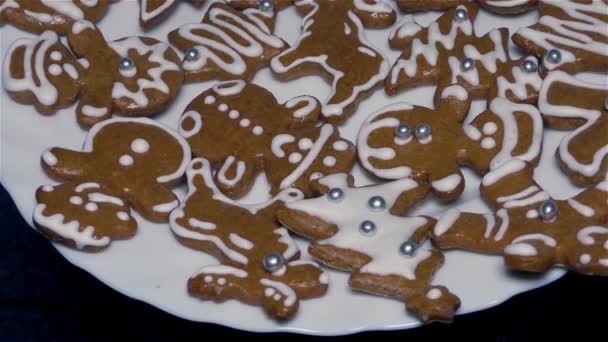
x: 227, y: 44
x: 569, y: 103
x: 358, y: 229
x: 37, y: 16
x: 448, y: 52
x: 133, y: 76
x: 86, y: 216
x: 571, y: 36
x: 333, y: 41
x: 259, y: 261
x: 430, y: 145
x: 135, y: 158
x: 242, y: 130
x: 530, y: 229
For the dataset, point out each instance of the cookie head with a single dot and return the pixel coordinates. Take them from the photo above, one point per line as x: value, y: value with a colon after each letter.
x: 82, y: 215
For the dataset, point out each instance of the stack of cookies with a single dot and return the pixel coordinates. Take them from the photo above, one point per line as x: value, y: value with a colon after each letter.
x: 236, y: 130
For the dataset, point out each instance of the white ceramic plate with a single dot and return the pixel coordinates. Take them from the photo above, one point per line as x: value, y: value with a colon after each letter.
x: 154, y: 267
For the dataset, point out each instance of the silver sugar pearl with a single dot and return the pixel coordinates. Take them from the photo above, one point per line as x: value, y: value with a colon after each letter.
x: 192, y: 54
x: 529, y: 66
x: 548, y: 210
x: 423, y: 131
x: 376, y: 203
x: 408, y: 248
x: 367, y: 227
x: 553, y: 56
x: 403, y: 131
x: 460, y: 15
x: 273, y: 262
x: 467, y: 64
x: 266, y: 5
x: 126, y: 63
x: 335, y: 194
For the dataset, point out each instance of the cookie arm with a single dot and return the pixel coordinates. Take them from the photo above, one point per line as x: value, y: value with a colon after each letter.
x: 153, y: 201
x: 64, y: 164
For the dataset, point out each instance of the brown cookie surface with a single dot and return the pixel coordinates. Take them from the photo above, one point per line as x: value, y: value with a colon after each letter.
x: 358, y: 229
x: 87, y: 216
x: 498, y: 6
x: 569, y: 103
x: 530, y: 229
x: 134, y: 76
x: 333, y: 43
x: 259, y: 261
x: 449, y: 52
x: 571, y: 36
x: 430, y: 146
x: 227, y: 44
x: 151, y: 12
x: 242, y: 130
x: 37, y: 16
x: 135, y: 158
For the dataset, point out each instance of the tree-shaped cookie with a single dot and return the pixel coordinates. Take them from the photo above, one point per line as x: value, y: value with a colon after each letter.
x: 568, y: 103
x: 333, y: 41
x: 259, y: 261
x: 152, y: 12
x: 134, y: 158
x: 430, y: 145
x: 498, y: 6
x: 448, y: 52
x: 133, y: 76
x: 242, y: 130
x: 227, y: 44
x: 86, y: 216
x: 358, y: 230
x: 37, y: 16
x: 570, y: 35
x: 530, y: 229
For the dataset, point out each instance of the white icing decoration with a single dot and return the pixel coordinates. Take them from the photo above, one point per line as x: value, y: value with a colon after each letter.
x: 538, y: 197
x: 406, y: 27
x: 455, y: 90
x: 488, y: 143
x: 68, y: 230
x: 123, y: 216
x: 240, y: 171
x: 76, y: 200
x: 221, y: 281
x: 33, y: 67
x: 489, y: 128
x: 532, y: 214
x: 517, y: 247
x: 84, y: 186
x: 55, y: 69
x: 521, y: 81
x: 229, y: 88
x: 198, y: 124
x: 126, y: 160
x: 310, y: 105
x: 581, y: 208
x: 147, y: 15
x: 140, y: 145
x: 294, y: 158
x: 209, y: 99
x: 472, y: 132
x: 94, y: 112
x: 504, y: 224
x: 524, y: 193
x: 245, y: 122
x: 103, y: 198
x: 234, y: 114
x: 49, y: 158
x: 304, y: 144
x: 240, y: 242
x: 585, y: 259
x: 84, y: 63
x: 340, y: 145
x: 165, y: 207
x: 222, y: 270
x: 47, y: 188
x: 447, y: 184
x: 284, y: 290
x: 222, y: 107
x: 384, y: 153
x: 278, y: 142
x: 376, y: 6
x: 42, y: 17
x: 257, y: 130
x: 324, y: 278
x: 284, y: 238
x: 490, y: 222
x: 82, y: 25
x: 508, y: 168
x: 269, y: 291
x: 446, y: 221
x: 585, y: 237
x: 434, y: 294
x: 196, y: 223
x: 329, y: 161
x: 91, y: 206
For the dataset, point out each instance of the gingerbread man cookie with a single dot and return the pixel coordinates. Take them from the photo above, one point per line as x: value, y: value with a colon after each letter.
x: 498, y: 6
x: 86, y: 216
x: 135, y: 158
x: 448, y: 52
x: 154, y: 11
x: 37, y: 16
x: 242, y: 130
x: 333, y: 42
x: 570, y: 35
x: 227, y: 44
x: 133, y: 76
x: 530, y: 229
x: 358, y: 230
x: 402, y: 140
x: 568, y: 103
x: 259, y: 261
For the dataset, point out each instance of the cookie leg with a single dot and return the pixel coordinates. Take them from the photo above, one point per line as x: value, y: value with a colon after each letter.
x: 530, y: 253
x: 235, y: 178
x: 306, y: 279
x: 473, y: 232
x: 153, y: 201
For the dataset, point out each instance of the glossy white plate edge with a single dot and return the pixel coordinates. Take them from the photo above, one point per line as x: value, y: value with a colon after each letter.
x: 483, y: 283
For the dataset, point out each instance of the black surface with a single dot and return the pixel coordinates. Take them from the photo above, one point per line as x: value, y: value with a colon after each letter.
x: 45, y: 298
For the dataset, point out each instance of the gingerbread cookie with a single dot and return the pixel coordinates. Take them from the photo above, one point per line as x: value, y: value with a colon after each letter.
x: 568, y: 103
x: 153, y: 11
x: 570, y: 35
x: 227, y: 44
x: 259, y: 261
x: 448, y: 52
x: 242, y: 129
x: 530, y: 229
x: 333, y: 42
x: 358, y: 230
x: 498, y: 6
x: 402, y: 140
x: 86, y: 216
x: 37, y: 16
x: 133, y: 76
x: 134, y: 158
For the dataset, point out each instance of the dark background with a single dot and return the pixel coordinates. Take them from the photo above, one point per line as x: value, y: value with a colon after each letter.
x: 45, y: 298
